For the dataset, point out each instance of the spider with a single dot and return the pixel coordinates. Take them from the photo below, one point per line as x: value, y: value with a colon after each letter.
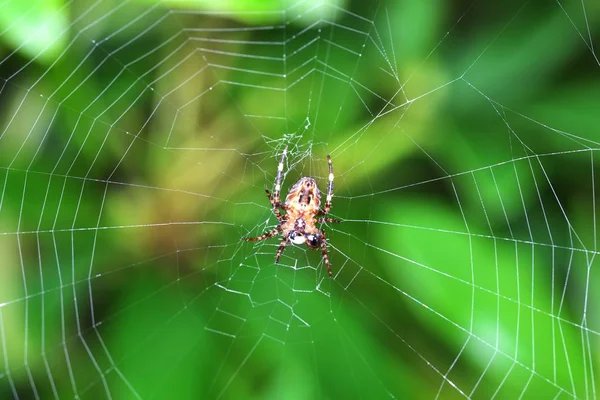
x: 302, y: 207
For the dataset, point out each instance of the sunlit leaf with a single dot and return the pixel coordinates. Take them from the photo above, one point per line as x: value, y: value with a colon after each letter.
x: 39, y: 31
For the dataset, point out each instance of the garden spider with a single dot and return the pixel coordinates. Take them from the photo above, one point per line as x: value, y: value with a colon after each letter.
x: 302, y: 207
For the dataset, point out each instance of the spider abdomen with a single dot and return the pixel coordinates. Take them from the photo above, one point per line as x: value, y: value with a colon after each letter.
x: 304, y: 196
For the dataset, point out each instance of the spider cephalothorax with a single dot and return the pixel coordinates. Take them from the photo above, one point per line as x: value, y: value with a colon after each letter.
x: 302, y: 207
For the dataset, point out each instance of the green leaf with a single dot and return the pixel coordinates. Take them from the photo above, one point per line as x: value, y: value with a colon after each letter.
x: 526, y: 53
x: 489, y: 300
x: 412, y: 29
x: 263, y: 11
x: 37, y: 31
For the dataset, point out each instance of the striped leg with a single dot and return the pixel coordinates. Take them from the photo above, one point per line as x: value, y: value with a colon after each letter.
x: 328, y: 220
x: 264, y: 236
x: 329, y: 186
x: 324, y: 253
x: 276, y: 198
x: 280, y: 250
x: 276, y: 206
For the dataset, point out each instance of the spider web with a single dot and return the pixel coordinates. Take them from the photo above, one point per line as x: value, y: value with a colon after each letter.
x: 136, y: 141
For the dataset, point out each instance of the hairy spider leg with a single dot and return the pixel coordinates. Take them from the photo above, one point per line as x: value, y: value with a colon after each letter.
x: 276, y: 195
x: 324, y: 253
x: 275, y: 205
x: 264, y: 236
x: 329, y: 186
x: 328, y: 220
x: 280, y: 250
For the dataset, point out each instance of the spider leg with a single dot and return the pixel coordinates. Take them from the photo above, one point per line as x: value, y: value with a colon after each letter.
x: 328, y: 220
x: 329, y: 186
x: 264, y: 236
x: 276, y: 206
x: 280, y: 250
x: 324, y: 253
x: 279, y: 176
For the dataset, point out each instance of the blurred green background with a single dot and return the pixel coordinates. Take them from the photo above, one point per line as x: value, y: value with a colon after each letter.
x: 136, y: 141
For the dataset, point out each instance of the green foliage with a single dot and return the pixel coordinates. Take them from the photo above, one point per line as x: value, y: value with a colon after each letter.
x: 136, y: 139
x: 485, y: 293
x: 37, y: 30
